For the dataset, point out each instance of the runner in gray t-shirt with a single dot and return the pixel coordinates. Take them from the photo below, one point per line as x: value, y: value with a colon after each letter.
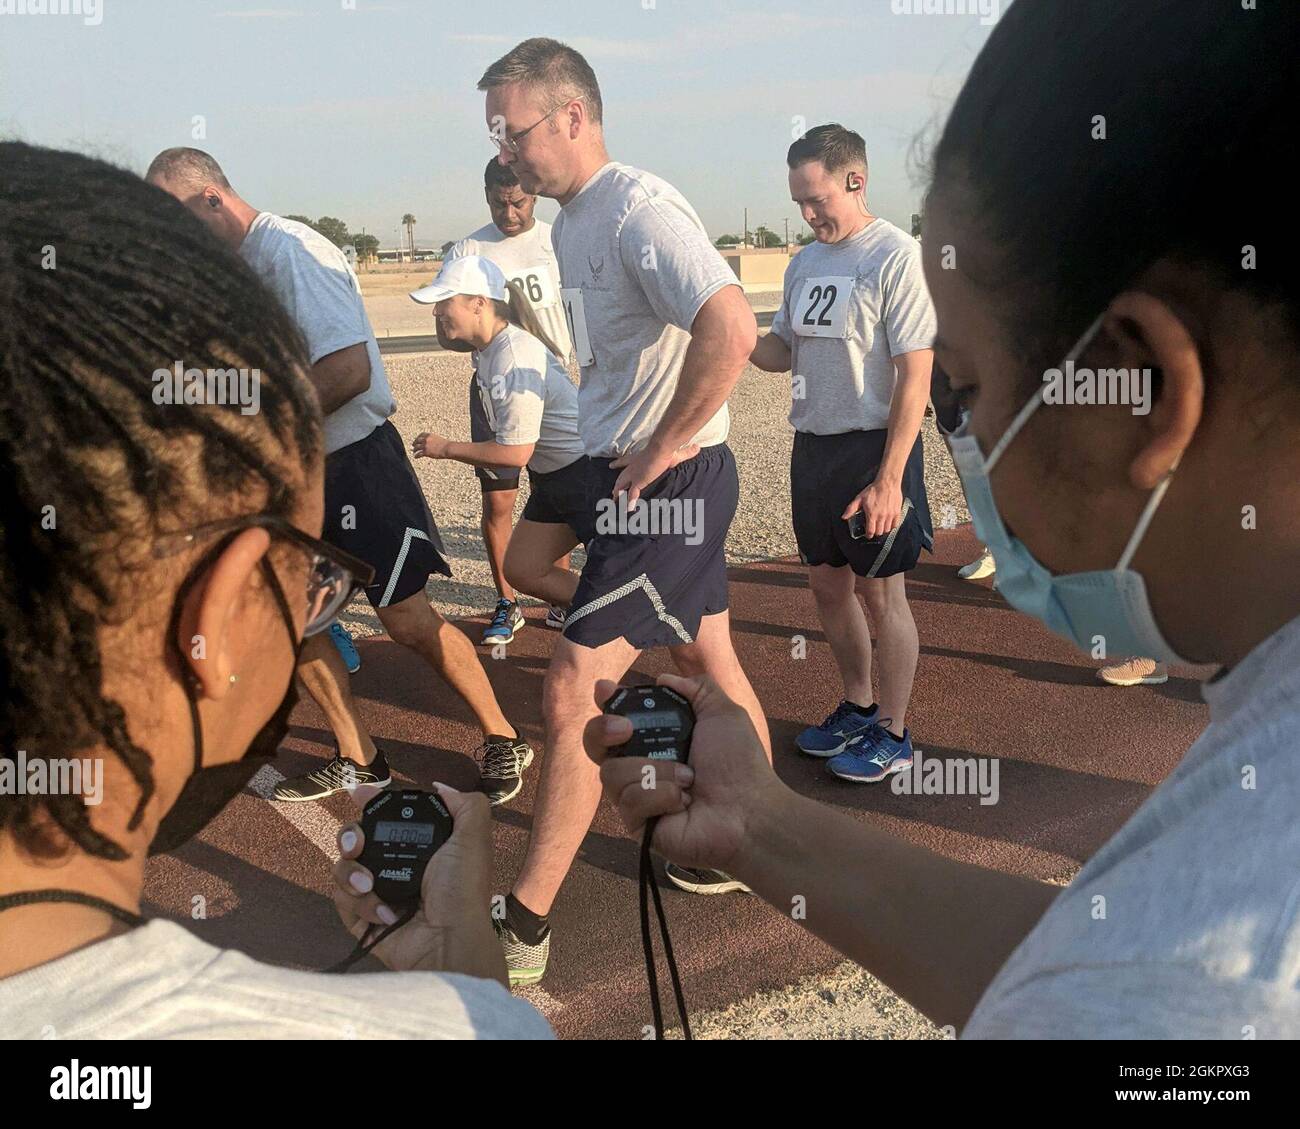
x: 661, y: 331
x: 374, y: 507
x: 857, y: 329
x: 520, y: 244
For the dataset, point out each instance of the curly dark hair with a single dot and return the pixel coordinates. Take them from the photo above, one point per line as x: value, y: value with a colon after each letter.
x: 105, y: 279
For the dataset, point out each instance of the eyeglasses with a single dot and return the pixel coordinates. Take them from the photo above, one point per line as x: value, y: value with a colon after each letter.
x: 511, y: 141
x: 335, y: 576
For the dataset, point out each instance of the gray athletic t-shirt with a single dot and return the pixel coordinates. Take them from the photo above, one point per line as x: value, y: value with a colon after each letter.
x: 849, y: 309
x: 1186, y: 924
x: 529, y: 259
x: 637, y: 265
x: 528, y: 397
x: 317, y: 287
x: 162, y: 982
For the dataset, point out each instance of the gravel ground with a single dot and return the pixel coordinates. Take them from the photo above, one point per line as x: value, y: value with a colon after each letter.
x: 431, y: 391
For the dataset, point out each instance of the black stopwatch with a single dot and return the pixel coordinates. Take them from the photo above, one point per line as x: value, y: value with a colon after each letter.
x: 662, y: 721
x: 402, y: 829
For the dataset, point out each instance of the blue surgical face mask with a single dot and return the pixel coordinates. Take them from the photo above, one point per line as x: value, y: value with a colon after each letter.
x: 1110, y: 608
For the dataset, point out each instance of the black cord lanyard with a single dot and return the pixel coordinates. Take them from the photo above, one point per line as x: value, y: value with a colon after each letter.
x: 364, y: 945
x: 650, y: 884
x: 34, y: 897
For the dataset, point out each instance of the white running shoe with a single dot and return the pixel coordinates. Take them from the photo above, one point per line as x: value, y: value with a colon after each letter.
x: 1135, y: 672
x: 979, y: 568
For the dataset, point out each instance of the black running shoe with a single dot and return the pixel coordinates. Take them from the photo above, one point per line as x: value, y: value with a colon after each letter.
x: 502, y: 761
x: 699, y: 881
x: 339, y: 775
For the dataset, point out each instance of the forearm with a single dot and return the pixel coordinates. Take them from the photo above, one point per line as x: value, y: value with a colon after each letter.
x: 936, y: 931
x: 771, y: 354
x: 906, y: 411
x: 341, y: 376
x: 490, y: 454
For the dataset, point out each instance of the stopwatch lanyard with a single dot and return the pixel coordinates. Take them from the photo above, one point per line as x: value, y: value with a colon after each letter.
x: 35, y: 897
x: 649, y: 884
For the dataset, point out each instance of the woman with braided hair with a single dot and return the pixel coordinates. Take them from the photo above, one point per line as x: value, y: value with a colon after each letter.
x: 160, y: 565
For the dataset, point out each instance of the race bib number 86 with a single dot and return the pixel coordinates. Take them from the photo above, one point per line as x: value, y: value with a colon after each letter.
x: 822, y: 307
x: 576, y: 315
x: 536, y: 283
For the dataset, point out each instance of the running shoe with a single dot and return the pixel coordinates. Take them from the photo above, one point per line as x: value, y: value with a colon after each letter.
x: 700, y: 881
x: 347, y: 648
x: 1135, y: 672
x: 979, y: 568
x: 506, y: 620
x: 845, y: 722
x: 339, y: 775
x: 502, y: 761
x: 555, y: 617
x: 871, y: 757
x: 525, y: 963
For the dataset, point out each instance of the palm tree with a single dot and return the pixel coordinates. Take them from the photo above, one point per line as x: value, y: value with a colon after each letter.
x: 408, y: 221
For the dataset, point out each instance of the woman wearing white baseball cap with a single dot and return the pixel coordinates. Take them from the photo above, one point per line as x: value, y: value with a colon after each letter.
x: 531, y: 406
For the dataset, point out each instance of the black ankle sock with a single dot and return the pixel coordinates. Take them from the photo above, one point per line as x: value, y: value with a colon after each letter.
x: 529, y: 927
x: 896, y: 736
x: 861, y: 709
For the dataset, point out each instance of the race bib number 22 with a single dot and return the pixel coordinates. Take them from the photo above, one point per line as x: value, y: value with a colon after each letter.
x: 576, y: 315
x: 822, y: 307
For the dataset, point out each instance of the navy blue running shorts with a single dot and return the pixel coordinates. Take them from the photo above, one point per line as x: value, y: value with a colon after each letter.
x: 826, y: 473
x: 655, y: 571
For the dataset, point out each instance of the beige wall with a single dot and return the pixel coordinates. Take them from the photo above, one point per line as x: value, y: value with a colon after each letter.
x: 758, y: 270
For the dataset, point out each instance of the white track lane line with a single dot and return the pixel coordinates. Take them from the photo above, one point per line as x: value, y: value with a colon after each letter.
x: 319, y: 827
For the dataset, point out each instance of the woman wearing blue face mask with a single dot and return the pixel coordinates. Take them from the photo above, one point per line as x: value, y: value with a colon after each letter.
x: 1105, y: 185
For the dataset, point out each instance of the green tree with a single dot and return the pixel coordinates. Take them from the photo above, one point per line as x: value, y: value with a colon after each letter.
x: 765, y: 238
x: 367, y: 246
x: 408, y: 222
x: 727, y: 241
x: 303, y: 219
x: 804, y: 239
x: 335, y: 230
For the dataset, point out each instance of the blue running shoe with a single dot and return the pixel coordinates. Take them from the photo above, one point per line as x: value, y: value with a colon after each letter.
x: 347, y: 648
x: 832, y: 735
x: 868, y: 759
x: 506, y: 620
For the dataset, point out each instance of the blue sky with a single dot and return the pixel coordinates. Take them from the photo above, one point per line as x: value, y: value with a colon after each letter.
x: 365, y: 114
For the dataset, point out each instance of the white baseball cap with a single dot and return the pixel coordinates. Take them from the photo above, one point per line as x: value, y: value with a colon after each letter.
x: 472, y: 275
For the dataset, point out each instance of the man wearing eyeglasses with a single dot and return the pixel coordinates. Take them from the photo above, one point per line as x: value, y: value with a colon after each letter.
x: 520, y: 244
x: 374, y: 507
x: 662, y: 331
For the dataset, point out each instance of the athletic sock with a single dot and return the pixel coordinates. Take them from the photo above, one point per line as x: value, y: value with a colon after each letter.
x: 862, y: 709
x: 896, y: 736
x: 529, y: 927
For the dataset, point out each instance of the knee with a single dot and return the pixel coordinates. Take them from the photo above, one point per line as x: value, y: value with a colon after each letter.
x: 411, y: 626
x: 519, y: 575
x: 689, y: 661
x: 566, y: 700
x: 829, y: 584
